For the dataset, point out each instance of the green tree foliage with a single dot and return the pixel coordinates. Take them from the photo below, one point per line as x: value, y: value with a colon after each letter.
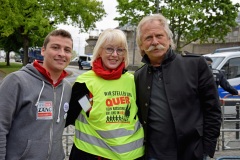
x: 10, y: 43
x: 190, y: 20
x: 33, y: 19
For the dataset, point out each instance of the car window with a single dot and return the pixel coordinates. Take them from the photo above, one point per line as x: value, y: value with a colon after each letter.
x: 232, y: 68
x: 75, y: 59
x: 216, y: 61
x: 83, y: 58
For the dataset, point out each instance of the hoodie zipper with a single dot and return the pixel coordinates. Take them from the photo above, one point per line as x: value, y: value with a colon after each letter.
x: 51, y: 129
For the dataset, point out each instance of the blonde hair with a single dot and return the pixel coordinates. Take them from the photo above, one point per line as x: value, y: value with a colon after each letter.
x: 148, y: 19
x: 114, y: 37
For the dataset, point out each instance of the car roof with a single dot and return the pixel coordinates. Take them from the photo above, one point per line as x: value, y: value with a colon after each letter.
x: 219, y: 50
x: 224, y: 54
x: 85, y: 55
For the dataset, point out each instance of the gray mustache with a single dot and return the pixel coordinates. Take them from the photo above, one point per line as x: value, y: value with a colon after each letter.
x: 160, y: 47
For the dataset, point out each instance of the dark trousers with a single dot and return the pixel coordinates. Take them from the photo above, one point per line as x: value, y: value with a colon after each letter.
x: 77, y: 154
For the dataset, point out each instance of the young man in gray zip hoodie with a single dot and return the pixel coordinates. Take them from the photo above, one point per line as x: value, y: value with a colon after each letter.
x: 34, y: 102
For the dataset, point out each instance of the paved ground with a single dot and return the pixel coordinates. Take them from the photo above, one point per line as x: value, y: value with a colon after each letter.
x: 231, y: 142
x: 225, y: 153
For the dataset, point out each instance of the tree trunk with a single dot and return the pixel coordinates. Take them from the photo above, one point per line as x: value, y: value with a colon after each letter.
x: 8, y: 58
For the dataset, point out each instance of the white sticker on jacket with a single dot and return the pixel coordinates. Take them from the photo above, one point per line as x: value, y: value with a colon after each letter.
x: 45, y: 110
x: 66, y: 107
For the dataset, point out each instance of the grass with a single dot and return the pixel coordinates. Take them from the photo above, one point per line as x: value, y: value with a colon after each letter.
x: 5, y: 70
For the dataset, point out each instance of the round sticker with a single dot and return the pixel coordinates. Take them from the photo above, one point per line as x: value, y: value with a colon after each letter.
x: 66, y: 107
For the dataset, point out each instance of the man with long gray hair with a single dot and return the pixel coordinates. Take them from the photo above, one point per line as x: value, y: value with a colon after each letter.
x: 176, y: 95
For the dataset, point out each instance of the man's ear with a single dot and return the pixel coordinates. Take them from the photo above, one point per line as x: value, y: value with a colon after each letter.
x: 42, y: 51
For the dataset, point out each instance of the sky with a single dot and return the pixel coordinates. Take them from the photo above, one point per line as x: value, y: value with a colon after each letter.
x: 107, y: 22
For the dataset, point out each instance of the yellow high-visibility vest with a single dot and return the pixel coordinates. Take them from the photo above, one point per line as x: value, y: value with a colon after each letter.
x: 112, y: 129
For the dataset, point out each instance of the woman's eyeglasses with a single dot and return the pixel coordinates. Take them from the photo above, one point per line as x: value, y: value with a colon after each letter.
x: 110, y: 50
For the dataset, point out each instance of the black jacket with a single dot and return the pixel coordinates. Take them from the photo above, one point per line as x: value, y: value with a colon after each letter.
x: 193, y: 100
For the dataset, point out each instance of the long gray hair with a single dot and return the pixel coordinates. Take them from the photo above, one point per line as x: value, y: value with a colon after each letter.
x: 148, y: 19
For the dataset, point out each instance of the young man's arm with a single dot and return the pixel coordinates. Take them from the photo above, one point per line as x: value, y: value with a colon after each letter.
x: 9, y: 90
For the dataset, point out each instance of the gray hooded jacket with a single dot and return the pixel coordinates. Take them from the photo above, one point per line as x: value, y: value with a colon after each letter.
x: 32, y: 116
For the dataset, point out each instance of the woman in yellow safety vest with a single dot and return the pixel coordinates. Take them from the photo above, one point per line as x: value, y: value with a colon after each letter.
x: 102, y: 105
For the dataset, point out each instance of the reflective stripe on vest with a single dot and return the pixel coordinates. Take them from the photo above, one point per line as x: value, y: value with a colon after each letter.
x: 125, y: 145
x: 119, y: 148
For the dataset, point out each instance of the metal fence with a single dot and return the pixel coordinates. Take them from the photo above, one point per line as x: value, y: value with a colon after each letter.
x: 67, y: 139
x: 229, y: 138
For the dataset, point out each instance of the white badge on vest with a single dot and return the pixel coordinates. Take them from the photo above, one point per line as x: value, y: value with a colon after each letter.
x: 85, y: 103
x: 44, y: 110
